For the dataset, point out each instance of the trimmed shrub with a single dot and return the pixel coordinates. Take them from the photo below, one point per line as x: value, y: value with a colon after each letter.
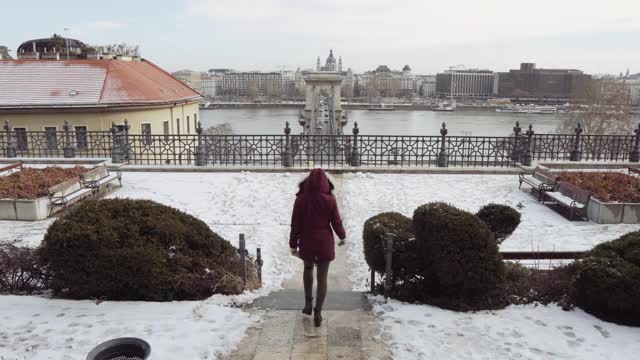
x: 464, y: 269
x: 526, y: 285
x: 501, y: 219
x: 375, y: 233
x: 124, y: 249
x: 607, y: 284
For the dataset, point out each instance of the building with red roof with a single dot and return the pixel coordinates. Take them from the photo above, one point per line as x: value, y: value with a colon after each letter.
x: 39, y: 95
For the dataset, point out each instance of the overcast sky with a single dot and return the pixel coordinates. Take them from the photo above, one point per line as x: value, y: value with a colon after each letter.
x: 594, y: 36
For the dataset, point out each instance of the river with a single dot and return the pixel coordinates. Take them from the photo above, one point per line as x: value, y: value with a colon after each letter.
x: 399, y: 122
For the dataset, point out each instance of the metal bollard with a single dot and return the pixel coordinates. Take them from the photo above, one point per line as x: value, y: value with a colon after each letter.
x: 243, y: 259
x: 259, y: 264
x: 388, y: 272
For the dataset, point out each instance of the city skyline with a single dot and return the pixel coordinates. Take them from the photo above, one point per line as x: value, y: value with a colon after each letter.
x: 272, y: 35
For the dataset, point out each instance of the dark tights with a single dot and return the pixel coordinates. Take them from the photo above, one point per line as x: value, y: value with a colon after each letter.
x: 322, y: 273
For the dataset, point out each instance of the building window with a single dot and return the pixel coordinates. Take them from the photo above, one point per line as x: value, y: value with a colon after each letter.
x: 165, y: 130
x: 195, y: 121
x: 145, y: 130
x: 22, y: 143
x: 188, y: 125
x: 81, y: 137
x: 178, y: 125
x: 51, y: 138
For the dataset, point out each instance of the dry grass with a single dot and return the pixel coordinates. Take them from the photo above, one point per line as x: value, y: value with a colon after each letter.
x: 33, y: 183
x: 606, y: 186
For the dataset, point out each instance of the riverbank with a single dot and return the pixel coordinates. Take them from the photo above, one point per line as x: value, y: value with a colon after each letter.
x: 346, y: 106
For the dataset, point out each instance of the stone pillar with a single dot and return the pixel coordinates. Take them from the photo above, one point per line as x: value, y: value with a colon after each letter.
x: 68, y: 150
x: 634, y: 156
x: 443, y: 157
x: 116, y: 151
x: 201, y: 159
x: 526, y: 159
x: 11, y: 145
x: 576, y: 153
x: 287, y: 156
x: 126, y: 149
x: 515, y: 153
x: 355, y: 152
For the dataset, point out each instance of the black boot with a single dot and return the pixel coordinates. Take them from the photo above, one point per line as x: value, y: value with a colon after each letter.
x: 317, y: 317
x: 308, y: 305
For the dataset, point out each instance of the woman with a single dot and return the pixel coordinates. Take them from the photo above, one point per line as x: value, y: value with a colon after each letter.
x: 315, y: 213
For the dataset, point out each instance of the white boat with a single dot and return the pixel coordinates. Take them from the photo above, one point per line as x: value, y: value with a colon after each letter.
x: 444, y: 106
x: 528, y: 109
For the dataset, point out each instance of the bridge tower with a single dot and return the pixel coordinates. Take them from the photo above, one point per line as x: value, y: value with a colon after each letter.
x: 322, y: 114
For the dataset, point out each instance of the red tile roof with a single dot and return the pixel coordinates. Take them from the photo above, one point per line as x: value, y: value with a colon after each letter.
x: 88, y: 83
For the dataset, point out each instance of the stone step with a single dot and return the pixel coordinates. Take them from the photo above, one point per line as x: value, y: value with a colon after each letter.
x: 294, y: 300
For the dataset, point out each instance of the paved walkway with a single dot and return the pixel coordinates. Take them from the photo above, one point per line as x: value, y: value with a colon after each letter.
x: 349, y: 329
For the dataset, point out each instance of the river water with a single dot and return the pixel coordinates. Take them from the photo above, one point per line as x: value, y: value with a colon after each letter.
x: 399, y: 122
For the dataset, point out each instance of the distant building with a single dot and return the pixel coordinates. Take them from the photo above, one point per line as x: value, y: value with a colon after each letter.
x: 473, y: 83
x: 632, y: 88
x: 54, y: 48
x: 426, y: 85
x: 252, y: 83
x: 92, y: 94
x: 543, y: 84
x: 208, y: 84
x: 191, y: 78
x: 219, y: 72
x: 386, y: 82
x: 4, y: 53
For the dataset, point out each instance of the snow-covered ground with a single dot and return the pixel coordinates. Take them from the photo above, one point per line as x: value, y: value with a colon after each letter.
x: 259, y: 205
x: 34, y: 327
x: 517, y: 332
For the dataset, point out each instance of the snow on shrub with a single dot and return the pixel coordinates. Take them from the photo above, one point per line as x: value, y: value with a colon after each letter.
x: 607, y: 284
x: 124, y: 249
x: 501, y: 219
x: 464, y: 269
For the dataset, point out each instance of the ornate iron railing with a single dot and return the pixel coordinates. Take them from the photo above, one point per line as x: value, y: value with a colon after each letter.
x: 325, y: 150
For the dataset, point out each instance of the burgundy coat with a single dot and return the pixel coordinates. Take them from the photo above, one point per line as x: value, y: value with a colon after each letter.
x: 315, y: 213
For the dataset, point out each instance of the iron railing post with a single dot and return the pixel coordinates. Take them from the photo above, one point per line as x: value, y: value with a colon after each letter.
x: 443, y: 157
x: 526, y: 159
x: 69, y: 151
x: 126, y: 148
x: 287, y: 156
x: 116, y: 152
x: 634, y: 156
x: 576, y: 153
x: 355, y: 153
x: 515, y: 153
x: 201, y: 159
x: 11, y: 146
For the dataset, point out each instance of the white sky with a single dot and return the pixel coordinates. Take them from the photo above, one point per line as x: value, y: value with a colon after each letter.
x: 595, y: 36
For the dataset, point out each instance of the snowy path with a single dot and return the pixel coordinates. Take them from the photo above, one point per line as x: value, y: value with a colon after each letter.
x: 259, y: 205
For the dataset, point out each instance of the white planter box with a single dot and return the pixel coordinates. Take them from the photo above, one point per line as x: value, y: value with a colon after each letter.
x: 613, y: 213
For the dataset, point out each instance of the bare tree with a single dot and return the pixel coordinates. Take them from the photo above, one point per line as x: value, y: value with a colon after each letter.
x: 605, y: 110
x: 220, y: 129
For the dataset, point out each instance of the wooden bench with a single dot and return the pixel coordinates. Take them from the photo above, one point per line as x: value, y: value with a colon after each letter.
x: 540, y: 180
x: 99, y: 177
x: 11, y: 168
x: 571, y: 198
x: 67, y: 193
x: 633, y: 170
